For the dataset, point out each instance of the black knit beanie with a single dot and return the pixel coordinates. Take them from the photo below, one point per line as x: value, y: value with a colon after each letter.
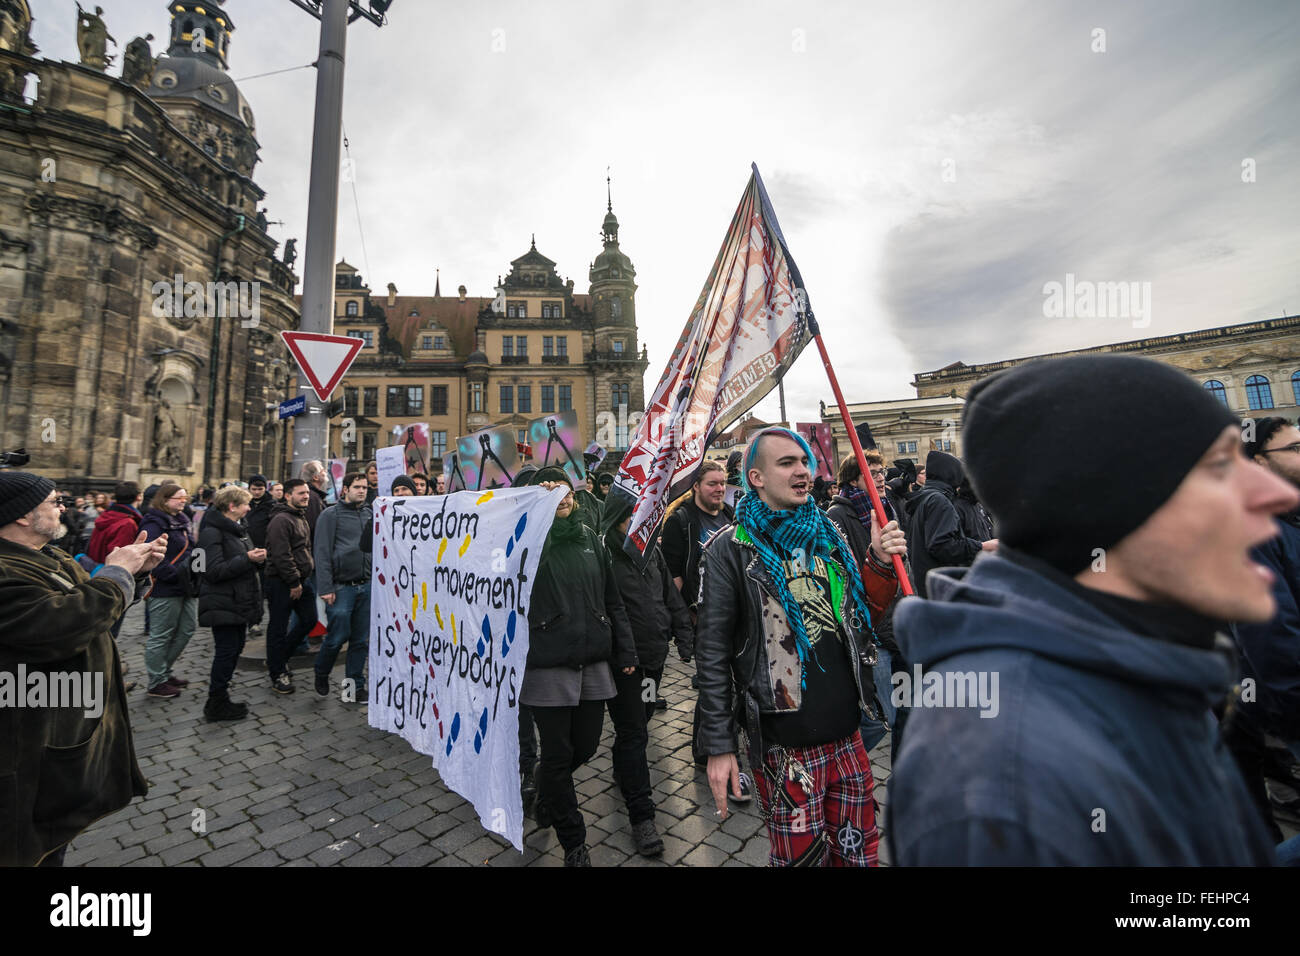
x: 551, y: 473
x: 1041, y: 441
x: 20, y: 493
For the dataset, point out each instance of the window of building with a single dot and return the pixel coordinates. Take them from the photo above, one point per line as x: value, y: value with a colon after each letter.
x: 621, y: 393
x: 438, y: 400
x: 525, y: 399
x: 440, y: 341
x: 507, y: 346
x: 911, y: 448
x: 566, y: 398
x: 437, y: 444
x: 551, y: 310
x: 616, y: 307
x: 902, y: 448
x: 507, y: 399
x: 521, y: 345
x: 562, y: 345
x: 476, y: 397
x: 395, y: 402
x: 1295, y: 386
x: 372, y: 401
x: 414, y: 399
x: 1259, y: 394
x: 350, y: 308
x: 618, y: 346
x: 349, y: 401
x: 349, y: 448
x: 548, y: 346
x: 426, y: 342
x: 517, y: 310
x: 368, y: 441
x: 548, y: 399
x: 366, y: 335
x: 1216, y: 389
x: 521, y: 436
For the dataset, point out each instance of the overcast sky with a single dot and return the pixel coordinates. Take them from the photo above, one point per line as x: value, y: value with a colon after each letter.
x: 933, y: 165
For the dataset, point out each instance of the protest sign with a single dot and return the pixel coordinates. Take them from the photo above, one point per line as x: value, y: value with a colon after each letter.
x: 389, y: 462
x: 450, y: 590
x: 489, y: 458
x: 552, y: 437
x: 414, y: 440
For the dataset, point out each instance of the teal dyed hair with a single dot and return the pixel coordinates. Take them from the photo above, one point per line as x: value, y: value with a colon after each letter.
x: 752, y: 452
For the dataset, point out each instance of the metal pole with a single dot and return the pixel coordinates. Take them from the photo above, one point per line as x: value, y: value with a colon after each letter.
x: 311, y: 430
x: 780, y: 390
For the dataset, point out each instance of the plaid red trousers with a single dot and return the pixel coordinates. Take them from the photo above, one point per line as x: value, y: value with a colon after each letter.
x: 818, y: 804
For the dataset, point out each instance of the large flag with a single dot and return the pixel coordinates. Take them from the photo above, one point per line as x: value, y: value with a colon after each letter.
x: 748, y: 326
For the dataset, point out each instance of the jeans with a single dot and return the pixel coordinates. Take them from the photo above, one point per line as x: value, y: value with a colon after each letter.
x: 172, y: 621
x: 873, y: 731
x: 228, y: 641
x: 280, y: 641
x: 631, y: 771
x: 348, y: 619
x: 570, y: 736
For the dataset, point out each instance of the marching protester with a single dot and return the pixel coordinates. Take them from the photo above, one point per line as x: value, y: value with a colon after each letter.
x: 852, y: 514
x: 372, y: 482
x: 342, y: 561
x: 275, y: 489
x: 316, y: 476
x: 685, y: 532
x: 973, y: 520
x: 288, y: 581
x: 119, y: 523
x: 421, y: 481
x: 440, y: 484
x: 1092, y: 633
x: 784, y: 619
x: 403, y: 487
x: 655, y: 611
x: 1270, y: 650
x: 230, y: 594
x: 256, y: 521
x: 935, y: 529
x: 65, y: 766
x: 172, y: 602
x: 603, y: 484
x: 579, y: 634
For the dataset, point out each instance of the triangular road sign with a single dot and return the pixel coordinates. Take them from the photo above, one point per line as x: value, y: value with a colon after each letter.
x: 324, y: 359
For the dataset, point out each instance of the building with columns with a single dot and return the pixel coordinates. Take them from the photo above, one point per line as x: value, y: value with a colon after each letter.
x: 140, y: 295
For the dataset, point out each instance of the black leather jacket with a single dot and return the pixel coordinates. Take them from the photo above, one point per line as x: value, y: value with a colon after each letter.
x: 741, y: 628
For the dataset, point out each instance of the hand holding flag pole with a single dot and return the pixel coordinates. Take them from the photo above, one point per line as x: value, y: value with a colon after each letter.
x: 857, y: 450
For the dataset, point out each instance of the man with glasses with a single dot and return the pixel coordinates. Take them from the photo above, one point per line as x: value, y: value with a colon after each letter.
x: 64, y: 763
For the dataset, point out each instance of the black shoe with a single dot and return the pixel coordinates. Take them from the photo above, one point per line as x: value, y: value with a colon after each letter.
x: 695, y: 681
x: 363, y: 695
x: 223, y: 708
x: 661, y: 704
x: 322, y: 685
x: 647, y: 838
x: 578, y: 856
x: 527, y: 790
x: 282, y: 684
x: 746, y: 793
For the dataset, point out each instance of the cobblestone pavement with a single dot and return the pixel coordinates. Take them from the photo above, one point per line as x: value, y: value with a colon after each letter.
x: 306, y: 782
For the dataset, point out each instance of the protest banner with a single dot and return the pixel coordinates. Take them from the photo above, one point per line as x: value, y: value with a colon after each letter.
x: 451, y: 584
x: 389, y: 462
x: 414, y: 440
x: 555, y: 440
x: 488, y: 458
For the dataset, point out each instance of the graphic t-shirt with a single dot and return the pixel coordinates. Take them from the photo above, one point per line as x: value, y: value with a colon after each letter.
x: 711, y: 525
x: 829, y: 710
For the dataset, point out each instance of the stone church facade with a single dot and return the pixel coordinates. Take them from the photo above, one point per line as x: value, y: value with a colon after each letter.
x: 141, y: 298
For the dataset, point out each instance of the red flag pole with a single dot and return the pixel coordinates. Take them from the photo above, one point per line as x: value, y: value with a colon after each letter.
x: 862, y: 459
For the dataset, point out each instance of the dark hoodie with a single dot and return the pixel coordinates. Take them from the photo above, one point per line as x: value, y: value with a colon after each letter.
x: 1098, y: 747
x: 935, y: 536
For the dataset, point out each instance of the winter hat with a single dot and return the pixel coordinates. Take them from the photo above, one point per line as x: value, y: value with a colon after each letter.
x: 402, y: 481
x: 257, y: 480
x: 551, y: 473
x: 1056, y: 504
x: 524, y: 476
x: 20, y: 493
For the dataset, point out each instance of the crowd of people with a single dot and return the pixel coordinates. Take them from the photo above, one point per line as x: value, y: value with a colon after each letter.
x: 1099, y: 665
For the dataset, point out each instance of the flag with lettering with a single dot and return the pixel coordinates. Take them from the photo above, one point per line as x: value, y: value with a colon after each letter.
x: 748, y: 326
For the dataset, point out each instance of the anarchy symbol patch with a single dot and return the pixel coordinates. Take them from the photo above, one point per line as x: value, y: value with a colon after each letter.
x: 850, y: 839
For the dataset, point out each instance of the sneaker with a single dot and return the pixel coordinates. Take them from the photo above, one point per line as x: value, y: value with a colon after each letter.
x: 647, y: 838
x: 224, y: 709
x: 282, y: 684
x: 363, y: 695
x: 164, y: 690
x: 322, y: 685
x: 578, y: 856
x: 661, y: 704
x: 177, y: 681
x: 746, y: 791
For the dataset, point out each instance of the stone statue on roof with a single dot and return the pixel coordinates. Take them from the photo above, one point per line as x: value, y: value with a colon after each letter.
x: 138, y: 62
x: 92, y: 39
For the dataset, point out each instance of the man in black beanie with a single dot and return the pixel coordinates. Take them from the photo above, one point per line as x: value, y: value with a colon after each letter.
x: 1062, y: 686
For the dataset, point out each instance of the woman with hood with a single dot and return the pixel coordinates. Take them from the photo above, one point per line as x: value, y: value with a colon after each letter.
x: 172, y: 602
x: 579, y: 634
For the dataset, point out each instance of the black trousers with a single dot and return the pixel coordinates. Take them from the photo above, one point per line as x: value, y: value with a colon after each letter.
x: 569, y: 736
x: 280, y: 641
x: 527, y: 740
x: 655, y: 675
x: 228, y: 642
x: 628, y: 711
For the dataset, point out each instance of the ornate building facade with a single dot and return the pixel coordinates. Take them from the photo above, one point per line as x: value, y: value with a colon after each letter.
x: 462, y: 363
x: 140, y: 295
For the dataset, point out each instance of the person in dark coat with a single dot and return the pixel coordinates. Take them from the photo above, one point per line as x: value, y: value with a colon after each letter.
x: 259, y: 510
x: 1064, y: 685
x: 230, y: 594
x: 62, y: 767
x: 118, y: 525
x: 289, y: 576
x: 971, y: 516
x: 578, y: 636
x: 173, y: 600
x: 935, y: 532
x: 655, y: 610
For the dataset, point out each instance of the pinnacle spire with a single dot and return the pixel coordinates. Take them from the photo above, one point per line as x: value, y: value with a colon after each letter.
x: 437, y: 283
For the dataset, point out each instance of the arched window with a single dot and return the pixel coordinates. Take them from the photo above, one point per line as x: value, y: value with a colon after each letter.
x: 1216, y: 389
x: 1258, y: 393
x: 351, y: 308
x: 1295, y: 386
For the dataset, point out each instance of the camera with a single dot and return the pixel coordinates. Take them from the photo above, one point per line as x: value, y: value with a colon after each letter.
x: 14, y: 459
